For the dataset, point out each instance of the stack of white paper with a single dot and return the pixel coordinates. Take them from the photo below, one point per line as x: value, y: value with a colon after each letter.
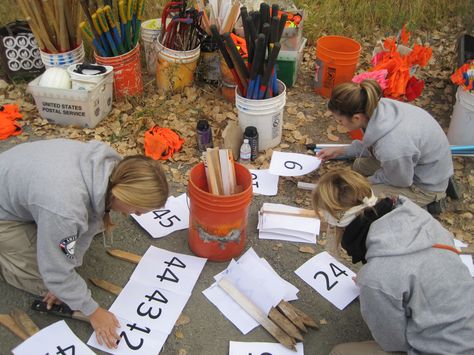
x: 273, y: 223
x: 255, y: 278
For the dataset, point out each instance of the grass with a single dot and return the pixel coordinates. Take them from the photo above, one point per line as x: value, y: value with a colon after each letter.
x: 355, y: 18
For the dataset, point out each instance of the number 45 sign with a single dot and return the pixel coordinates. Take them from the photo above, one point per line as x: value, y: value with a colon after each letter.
x: 330, y: 278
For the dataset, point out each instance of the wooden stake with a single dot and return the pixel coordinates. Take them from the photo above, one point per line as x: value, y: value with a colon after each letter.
x: 307, y: 320
x: 24, y: 321
x: 107, y: 286
x: 8, y: 322
x: 297, y: 213
x: 292, y: 316
x: 124, y: 255
x: 284, y: 323
x: 63, y: 34
x: 256, y: 313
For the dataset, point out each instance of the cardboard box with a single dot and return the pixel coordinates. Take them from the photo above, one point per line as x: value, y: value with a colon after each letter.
x: 81, y: 108
x: 288, y: 63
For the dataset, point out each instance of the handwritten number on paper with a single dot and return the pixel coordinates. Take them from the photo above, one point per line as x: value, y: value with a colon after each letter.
x: 62, y: 351
x: 173, y: 277
x: 148, y: 313
x: 160, y: 213
x: 254, y: 179
x: 333, y: 268
x: 179, y: 263
x: 292, y: 165
x: 127, y: 341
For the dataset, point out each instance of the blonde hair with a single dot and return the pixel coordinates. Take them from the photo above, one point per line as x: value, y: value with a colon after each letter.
x: 138, y: 181
x: 350, y: 98
x: 339, y: 190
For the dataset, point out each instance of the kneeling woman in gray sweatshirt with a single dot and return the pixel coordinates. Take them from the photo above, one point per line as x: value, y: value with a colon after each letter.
x: 416, y: 295
x: 56, y: 196
x: 404, y: 150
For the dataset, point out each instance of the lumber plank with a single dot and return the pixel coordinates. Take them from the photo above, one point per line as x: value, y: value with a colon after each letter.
x: 292, y: 316
x: 285, y: 324
x: 8, y: 322
x: 24, y: 321
x: 307, y: 320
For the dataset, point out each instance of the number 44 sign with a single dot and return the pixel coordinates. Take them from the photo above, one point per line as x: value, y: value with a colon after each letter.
x: 330, y: 278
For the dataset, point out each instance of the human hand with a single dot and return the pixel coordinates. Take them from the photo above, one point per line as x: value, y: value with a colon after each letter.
x: 105, y: 325
x: 50, y: 300
x: 330, y: 153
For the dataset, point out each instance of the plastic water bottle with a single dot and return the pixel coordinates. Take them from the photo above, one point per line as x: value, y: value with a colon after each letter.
x: 245, y: 152
x: 252, y: 135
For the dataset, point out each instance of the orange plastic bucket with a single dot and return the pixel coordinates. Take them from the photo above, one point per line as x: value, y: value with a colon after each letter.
x: 336, y: 61
x: 127, y: 72
x: 218, y: 224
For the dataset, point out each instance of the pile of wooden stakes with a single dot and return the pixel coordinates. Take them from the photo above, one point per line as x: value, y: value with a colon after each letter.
x: 220, y: 171
x: 54, y: 23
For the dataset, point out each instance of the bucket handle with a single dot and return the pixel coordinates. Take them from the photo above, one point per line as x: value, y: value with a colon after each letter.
x: 85, y: 66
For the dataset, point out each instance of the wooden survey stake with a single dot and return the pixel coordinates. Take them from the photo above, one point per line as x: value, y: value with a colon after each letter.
x: 286, y: 307
x: 285, y: 324
x: 25, y: 322
x: 8, y: 322
x: 286, y: 340
x: 107, y: 286
x: 124, y: 255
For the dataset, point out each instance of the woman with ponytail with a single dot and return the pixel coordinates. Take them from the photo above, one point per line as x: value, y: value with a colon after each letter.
x: 404, y: 150
x: 56, y: 196
x: 416, y: 295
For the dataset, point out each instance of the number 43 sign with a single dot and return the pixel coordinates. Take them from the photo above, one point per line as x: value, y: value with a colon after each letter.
x: 330, y: 278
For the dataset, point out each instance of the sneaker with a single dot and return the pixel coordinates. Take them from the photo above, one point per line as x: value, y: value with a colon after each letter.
x: 436, y: 207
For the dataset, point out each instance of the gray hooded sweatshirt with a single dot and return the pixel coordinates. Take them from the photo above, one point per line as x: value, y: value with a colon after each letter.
x: 61, y: 185
x: 410, y: 146
x: 413, y: 297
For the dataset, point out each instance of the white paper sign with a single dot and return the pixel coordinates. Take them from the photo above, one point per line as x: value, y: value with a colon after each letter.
x: 330, y: 278
x: 240, y: 348
x: 169, y: 271
x: 172, y: 217
x: 57, y: 338
x: 293, y: 164
x: 149, y: 306
x: 264, y: 183
x: 135, y: 339
x: 467, y: 260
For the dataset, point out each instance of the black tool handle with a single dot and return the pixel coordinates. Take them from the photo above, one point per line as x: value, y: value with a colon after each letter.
x: 220, y: 43
x: 283, y: 20
x: 61, y: 310
x: 272, y: 58
x: 235, y: 55
x: 259, y: 56
x: 264, y: 14
x: 274, y: 30
x: 275, y: 9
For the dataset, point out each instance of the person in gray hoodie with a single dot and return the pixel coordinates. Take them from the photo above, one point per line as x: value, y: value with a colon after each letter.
x: 416, y: 295
x: 403, y: 151
x: 56, y: 196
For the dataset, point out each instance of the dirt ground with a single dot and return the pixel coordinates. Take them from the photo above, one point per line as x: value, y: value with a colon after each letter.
x: 205, y: 329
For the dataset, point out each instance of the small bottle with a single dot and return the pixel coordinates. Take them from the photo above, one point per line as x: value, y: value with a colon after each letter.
x: 203, y: 135
x: 245, y: 152
x: 252, y: 135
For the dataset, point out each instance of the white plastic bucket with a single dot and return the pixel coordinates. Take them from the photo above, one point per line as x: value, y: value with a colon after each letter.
x: 461, y: 127
x: 88, y: 79
x: 150, y: 33
x: 266, y: 115
x: 65, y: 59
x: 175, y: 69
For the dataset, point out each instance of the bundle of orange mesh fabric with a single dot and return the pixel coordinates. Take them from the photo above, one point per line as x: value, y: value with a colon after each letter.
x: 9, y: 113
x: 401, y: 83
x: 162, y: 143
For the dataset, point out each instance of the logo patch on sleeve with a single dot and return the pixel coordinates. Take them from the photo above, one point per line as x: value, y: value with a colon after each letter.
x: 67, y: 246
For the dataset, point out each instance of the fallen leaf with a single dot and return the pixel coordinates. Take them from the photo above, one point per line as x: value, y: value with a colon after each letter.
x: 323, y: 321
x: 179, y: 334
x: 182, y: 352
x: 183, y: 320
x: 332, y: 137
x: 307, y: 249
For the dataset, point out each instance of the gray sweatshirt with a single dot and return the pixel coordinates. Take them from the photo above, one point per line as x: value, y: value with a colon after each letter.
x: 410, y: 146
x: 61, y: 185
x: 413, y: 297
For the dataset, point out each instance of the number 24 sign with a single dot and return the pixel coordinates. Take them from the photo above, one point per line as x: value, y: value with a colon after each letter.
x: 330, y: 278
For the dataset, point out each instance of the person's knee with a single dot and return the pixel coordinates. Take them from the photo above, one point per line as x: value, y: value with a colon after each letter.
x: 340, y: 349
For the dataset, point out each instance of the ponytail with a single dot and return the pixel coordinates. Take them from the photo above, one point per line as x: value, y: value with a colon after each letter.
x: 348, y: 99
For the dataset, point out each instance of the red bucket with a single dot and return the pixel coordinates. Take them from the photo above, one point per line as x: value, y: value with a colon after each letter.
x: 218, y: 224
x: 127, y: 72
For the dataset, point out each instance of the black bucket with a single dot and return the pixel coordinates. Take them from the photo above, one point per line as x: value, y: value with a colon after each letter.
x: 19, y: 52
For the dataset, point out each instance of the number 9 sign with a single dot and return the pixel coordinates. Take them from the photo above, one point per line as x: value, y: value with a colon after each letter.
x: 293, y: 164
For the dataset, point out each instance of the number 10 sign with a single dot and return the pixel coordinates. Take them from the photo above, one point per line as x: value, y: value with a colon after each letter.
x: 330, y: 278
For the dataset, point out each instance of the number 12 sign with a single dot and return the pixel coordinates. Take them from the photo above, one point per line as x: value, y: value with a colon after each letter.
x: 330, y: 278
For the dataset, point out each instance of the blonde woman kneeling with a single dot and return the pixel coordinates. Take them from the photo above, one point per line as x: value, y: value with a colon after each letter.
x: 56, y: 196
x: 416, y: 295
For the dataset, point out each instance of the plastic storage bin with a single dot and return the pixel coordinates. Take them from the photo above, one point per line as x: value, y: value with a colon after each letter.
x: 82, y: 108
x: 292, y: 36
x: 288, y: 63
